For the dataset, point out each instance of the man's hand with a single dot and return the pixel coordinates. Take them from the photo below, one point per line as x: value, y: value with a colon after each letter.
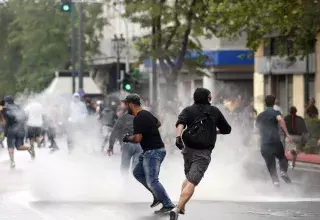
x: 318, y: 143
x: 110, y: 151
x: 179, y: 142
x: 126, y: 138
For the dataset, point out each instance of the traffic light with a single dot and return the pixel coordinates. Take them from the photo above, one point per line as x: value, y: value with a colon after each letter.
x: 127, y: 83
x: 65, y: 6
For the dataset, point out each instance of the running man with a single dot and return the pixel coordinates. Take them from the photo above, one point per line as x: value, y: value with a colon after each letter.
x: 146, y: 132
x: 15, y: 129
x: 271, y: 146
x: 35, y: 112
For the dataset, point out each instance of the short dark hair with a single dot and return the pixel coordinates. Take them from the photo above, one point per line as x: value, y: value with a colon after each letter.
x: 133, y: 98
x: 293, y: 110
x: 270, y: 100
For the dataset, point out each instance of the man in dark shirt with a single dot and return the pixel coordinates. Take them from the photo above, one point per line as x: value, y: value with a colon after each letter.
x: 297, y: 128
x: 130, y: 151
x: 145, y: 132
x: 197, y: 158
x: 15, y: 128
x: 271, y: 145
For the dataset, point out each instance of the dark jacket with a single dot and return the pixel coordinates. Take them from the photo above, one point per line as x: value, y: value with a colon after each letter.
x: 15, y: 118
x: 122, y: 126
x: 296, y: 125
x: 193, y: 112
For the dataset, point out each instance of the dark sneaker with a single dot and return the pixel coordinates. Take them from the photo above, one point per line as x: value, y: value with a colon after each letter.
x: 155, y: 203
x: 163, y: 210
x: 285, y: 177
x: 32, y: 152
x: 174, y: 214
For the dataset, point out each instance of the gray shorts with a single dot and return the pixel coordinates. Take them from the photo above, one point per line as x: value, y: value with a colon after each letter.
x: 196, y: 162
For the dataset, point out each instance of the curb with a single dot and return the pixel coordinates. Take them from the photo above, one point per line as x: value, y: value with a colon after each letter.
x: 306, y: 158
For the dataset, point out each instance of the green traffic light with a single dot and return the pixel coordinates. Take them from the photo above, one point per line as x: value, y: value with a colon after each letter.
x: 65, y: 7
x: 128, y: 87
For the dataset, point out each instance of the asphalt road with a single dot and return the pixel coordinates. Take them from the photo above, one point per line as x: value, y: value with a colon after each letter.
x: 62, y: 187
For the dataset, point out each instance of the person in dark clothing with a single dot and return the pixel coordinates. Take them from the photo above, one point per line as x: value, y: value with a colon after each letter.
x: 108, y: 120
x: 297, y: 128
x: 15, y: 131
x: 146, y: 132
x: 271, y: 145
x: 311, y: 109
x: 130, y: 151
x: 197, y: 158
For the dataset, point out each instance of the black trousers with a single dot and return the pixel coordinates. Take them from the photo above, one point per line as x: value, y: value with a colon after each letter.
x: 271, y: 152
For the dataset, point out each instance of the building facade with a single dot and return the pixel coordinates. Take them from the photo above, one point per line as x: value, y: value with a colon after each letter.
x: 293, y: 83
x: 227, y: 73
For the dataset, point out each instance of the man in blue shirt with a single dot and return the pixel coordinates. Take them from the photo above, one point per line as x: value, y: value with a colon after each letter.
x: 271, y: 146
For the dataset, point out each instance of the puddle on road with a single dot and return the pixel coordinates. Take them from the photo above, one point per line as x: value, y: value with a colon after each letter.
x: 287, y: 213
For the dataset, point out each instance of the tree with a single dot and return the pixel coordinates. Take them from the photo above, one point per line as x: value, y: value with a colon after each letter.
x: 37, y: 38
x: 294, y: 20
x: 174, y: 30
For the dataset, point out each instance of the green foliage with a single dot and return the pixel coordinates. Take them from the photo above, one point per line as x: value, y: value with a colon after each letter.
x: 295, y: 20
x: 35, y: 39
x: 176, y: 25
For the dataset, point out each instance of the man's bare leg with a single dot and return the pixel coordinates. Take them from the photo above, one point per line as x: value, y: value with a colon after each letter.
x: 11, y: 155
x: 186, y: 194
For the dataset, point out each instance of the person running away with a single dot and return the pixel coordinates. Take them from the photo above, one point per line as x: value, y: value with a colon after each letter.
x: 146, y: 132
x: 298, y: 130
x: 270, y: 141
x: 15, y: 119
x: 197, y: 141
x: 130, y: 151
x: 35, y: 112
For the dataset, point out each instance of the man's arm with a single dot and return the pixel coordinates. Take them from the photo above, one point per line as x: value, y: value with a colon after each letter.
x: 115, y: 132
x: 283, y: 125
x: 182, y: 122
x: 223, y: 125
x: 138, y: 130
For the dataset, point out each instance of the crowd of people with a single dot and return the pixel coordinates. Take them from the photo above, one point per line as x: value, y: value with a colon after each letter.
x: 142, y: 147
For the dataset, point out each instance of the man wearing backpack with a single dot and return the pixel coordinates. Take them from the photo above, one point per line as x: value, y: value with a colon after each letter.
x: 15, y: 119
x: 197, y: 141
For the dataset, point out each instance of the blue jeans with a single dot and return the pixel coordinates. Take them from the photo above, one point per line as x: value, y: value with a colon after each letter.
x: 147, y: 173
x: 130, y: 151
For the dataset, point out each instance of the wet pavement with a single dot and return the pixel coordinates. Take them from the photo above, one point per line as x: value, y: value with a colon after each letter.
x: 24, y: 192
x: 196, y: 210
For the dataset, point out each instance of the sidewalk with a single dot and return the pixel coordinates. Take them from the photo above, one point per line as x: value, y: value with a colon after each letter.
x: 306, y: 158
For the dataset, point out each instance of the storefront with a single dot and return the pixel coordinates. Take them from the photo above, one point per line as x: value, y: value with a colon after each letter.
x: 289, y: 81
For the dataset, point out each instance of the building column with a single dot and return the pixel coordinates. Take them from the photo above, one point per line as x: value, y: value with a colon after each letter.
x: 298, y: 93
x: 209, y: 82
x: 258, y: 83
x: 317, y: 77
x: 258, y: 91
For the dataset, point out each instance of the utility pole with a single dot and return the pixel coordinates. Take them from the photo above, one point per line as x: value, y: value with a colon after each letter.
x: 81, y: 52
x: 118, y: 44
x: 73, y: 47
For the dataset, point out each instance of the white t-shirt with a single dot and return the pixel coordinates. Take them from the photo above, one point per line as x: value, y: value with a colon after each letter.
x: 35, y: 111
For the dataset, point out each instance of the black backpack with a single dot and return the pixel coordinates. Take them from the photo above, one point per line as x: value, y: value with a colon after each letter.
x: 200, y: 133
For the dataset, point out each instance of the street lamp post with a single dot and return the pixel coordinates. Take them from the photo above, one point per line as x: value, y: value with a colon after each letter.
x: 118, y: 44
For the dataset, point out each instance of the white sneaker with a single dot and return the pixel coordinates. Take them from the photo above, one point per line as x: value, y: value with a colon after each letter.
x: 12, y: 164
